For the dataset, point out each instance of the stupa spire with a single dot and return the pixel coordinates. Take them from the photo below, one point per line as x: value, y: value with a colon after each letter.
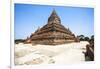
x: 54, y: 12
x: 54, y: 18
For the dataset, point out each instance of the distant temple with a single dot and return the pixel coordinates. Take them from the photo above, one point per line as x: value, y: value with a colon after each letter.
x: 53, y: 33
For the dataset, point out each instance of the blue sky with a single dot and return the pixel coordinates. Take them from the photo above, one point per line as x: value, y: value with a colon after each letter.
x: 29, y: 17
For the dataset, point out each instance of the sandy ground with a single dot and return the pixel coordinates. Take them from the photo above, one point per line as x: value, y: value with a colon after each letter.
x: 26, y: 54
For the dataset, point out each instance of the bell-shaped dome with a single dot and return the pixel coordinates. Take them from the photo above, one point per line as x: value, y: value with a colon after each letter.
x: 54, y: 18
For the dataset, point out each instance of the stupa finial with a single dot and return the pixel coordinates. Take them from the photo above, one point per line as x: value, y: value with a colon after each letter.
x: 54, y: 18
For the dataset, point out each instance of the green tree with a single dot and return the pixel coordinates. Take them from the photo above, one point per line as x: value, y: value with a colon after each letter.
x: 81, y: 37
x: 86, y: 38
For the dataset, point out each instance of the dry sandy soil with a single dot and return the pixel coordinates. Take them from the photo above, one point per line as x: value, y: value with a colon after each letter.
x: 26, y: 54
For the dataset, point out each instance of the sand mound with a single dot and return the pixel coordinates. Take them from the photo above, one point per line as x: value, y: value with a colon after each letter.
x: 46, y: 54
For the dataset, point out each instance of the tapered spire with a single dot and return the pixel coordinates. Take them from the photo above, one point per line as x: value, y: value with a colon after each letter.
x: 54, y: 13
x: 54, y: 18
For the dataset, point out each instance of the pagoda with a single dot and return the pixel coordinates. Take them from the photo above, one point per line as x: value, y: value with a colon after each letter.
x: 53, y: 33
